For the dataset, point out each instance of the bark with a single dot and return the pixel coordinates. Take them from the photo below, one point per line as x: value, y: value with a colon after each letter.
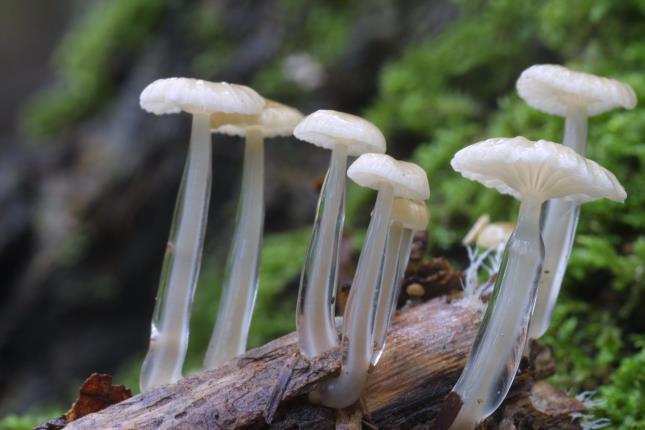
x: 426, y: 350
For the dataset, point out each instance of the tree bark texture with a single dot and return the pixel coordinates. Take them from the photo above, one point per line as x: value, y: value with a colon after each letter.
x: 269, y: 387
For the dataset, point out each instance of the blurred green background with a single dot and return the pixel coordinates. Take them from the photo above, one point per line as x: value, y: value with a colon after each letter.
x: 87, y: 180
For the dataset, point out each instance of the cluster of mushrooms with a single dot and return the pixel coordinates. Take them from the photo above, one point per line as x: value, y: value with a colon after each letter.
x: 550, y: 180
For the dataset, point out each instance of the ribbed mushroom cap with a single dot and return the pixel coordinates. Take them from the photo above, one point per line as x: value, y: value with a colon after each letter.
x: 373, y: 170
x: 328, y: 128
x: 195, y: 96
x: 495, y: 234
x: 413, y: 214
x: 545, y: 170
x: 552, y: 88
x: 275, y: 119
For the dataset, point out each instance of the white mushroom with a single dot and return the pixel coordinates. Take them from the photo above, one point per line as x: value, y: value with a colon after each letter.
x: 239, y: 289
x: 391, y: 179
x: 575, y: 96
x: 408, y: 216
x: 532, y: 172
x: 169, y: 332
x: 345, y: 135
x: 495, y: 235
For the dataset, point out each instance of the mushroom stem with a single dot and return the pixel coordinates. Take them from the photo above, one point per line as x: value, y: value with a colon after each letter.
x: 559, y: 222
x: 390, y: 278
x: 497, y: 350
x: 315, y: 316
x: 169, y: 331
x: 241, y: 280
x: 359, y: 310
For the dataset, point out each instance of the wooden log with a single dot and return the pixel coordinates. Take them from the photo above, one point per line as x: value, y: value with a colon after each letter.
x: 426, y: 349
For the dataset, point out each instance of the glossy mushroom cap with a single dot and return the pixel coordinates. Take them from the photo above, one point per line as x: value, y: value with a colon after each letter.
x: 374, y: 170
x: 413, y: 214
x: 328, y: 128
x: 493, y: 235
x: 552, y: 88
x: 275, y: 119
x: 542, y: 169
x: 172, y: 95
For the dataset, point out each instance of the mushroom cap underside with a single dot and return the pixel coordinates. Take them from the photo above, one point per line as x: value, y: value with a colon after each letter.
x: 542, y: 169
x: 413, y: 214
x: 195, y: 96
x: 328, y: 128
x: 554, y: 89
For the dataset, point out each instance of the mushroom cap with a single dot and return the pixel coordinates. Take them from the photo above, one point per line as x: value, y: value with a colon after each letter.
x: 328, y: 128
x: 542, y: 169
x: 552, y: 88
x: 172, y: 95
x: 492, y: 235
x: 482, y: 221
x: 413, y: 214
x: 373, y: 170
x: 275, y: 119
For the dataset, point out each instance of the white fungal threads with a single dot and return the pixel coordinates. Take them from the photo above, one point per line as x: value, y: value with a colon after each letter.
x: 532, y: 172
x: 169, y: 331
x: 575, y: 96
x: 240, y: 285
x: 345, y: 135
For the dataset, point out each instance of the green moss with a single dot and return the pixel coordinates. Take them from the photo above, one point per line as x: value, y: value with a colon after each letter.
x: 623, y: 400
x: 85, y: 61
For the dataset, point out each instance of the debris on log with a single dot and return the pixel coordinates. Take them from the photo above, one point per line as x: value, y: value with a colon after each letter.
x: 427, y: 346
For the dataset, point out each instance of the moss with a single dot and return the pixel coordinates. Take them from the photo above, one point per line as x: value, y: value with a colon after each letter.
x: 85, y: 61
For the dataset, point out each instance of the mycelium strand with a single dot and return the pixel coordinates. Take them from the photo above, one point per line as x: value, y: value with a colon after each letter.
x: 241, y: 279
x: 315, y: 315
x: 559, y: 222
x: 169, y: 332
x: 358, y: 319
x: 497, y: 350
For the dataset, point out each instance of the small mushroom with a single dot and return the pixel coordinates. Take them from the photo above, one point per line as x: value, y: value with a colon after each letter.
x: 391, y: 178
x: 345, y: 135
x: 532, y: 172
x: 477, y: 227
x: 239, y: 289
x: 169, y: 332
x: 408, y: 216
x: 495, y: 235
x: 575, y: 96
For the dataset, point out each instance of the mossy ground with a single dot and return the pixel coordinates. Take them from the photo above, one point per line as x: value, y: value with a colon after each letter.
x: 447, y: 92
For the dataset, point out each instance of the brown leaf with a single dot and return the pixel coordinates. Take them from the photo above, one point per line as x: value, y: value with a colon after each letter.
x: 96, y: 393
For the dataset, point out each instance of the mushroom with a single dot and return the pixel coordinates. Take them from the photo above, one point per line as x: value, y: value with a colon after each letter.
x: 532, y: 172
x: 344, y: 135
x: 169, y: 333
x: 477, y: 227
x: 494, y: 236
x: 408, y: 216
x: 231, y: 328
x: 575, y: 96
x: 391, y: 178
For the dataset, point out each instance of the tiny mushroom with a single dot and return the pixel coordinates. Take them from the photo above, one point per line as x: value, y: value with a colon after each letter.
x: 532, y: 172
x: 494, y: 236
x: 575, y: 96
x: 345, y: 135
x: 391, y: 178
x: 408, y: 216
x: 240, y: 285
x: 169, y: 332
x: 477, y: 227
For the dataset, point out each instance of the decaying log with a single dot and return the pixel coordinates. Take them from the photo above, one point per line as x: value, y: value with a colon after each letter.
x: 426, y: 350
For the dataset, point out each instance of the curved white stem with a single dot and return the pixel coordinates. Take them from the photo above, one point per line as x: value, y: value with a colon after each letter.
x: 360, y: 309
x: 559, y: 222
x: 319, y: 277
x: 389, y: 287
x: 169, y: 332
x: 497, y: 350
x: 241, y: 280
